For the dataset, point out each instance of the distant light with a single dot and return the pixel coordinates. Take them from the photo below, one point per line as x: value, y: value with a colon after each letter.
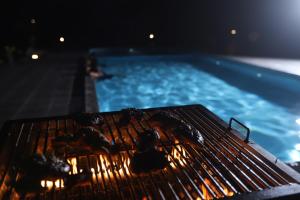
x: 151, y: 36
x: 61, y: 39
x: 33, y: 21
x: 298, y: 121
x: 34, y: 56
x: 233, y: 32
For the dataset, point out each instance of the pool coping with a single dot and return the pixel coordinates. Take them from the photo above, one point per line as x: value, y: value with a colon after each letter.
x: 90, y: 100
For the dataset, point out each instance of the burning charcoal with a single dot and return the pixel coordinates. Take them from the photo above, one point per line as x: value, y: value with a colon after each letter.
x: 129, y: 114
x: 166, y: 119
x: 189, y: 132
x: 143, y: 162
x: 89, y: 119
x: 83, y: 178
x: 41, y: 166
x: 147, y: 140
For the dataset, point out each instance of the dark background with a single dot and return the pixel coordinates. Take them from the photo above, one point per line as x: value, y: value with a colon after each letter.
x: 264, y: 27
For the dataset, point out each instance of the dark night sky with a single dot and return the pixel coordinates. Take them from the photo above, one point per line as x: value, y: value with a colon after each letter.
x: 268, y: 27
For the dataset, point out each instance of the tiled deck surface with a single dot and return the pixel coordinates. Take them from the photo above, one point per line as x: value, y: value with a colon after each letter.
x: 41, y: 89
x: 290, y: 66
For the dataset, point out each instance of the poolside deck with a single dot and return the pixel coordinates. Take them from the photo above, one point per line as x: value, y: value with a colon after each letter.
x: 290, y: 66
x: 51, y: 86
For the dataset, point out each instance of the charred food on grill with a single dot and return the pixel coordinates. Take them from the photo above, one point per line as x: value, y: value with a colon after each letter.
x: 178, y: 126
x: 89, y: 119
x: 148, y: 157
x: 44, y: 166
x: 130, y: 114
x: 37, y: 168
x: 189, y: 132
x: 166, y: 118
x: 86, y: 139
x: 143, y: 162
x: 147, y: 140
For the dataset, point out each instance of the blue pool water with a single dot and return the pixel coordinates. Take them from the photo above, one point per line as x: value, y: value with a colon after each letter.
x: 156, y: 83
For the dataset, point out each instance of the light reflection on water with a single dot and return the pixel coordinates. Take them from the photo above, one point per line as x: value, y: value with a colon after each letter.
x: 155, y: 84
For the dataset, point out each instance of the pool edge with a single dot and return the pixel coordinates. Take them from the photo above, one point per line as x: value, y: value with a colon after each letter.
x: 90, y: 100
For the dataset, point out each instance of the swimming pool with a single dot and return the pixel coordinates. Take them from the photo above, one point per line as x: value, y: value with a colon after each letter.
x: 144, y: 82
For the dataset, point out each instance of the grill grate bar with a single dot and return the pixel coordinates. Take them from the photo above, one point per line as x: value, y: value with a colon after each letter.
x: 174, y: 174
x: 211, y: 166
x: 92, y: 182
x: 133, y: 141
x: 276, y: 178
x: 142, y: 186
x: 212, y: 193
x: 241, y: 184
x: 102, y: 177
x: 241, y: 158
x: 168, y: 152
x: 236, y: 165
x: 222, y: 167
x: 220, y: 189
x: 217, y: 185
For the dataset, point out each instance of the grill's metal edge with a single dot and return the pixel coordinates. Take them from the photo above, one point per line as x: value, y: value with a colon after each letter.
x: 279, y: 192
x: 290, y: 171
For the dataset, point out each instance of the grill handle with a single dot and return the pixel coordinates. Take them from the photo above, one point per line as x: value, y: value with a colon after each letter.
x: 242, y: 125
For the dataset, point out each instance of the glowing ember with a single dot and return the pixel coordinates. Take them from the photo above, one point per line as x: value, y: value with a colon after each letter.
x: 228, y: 193
x: 179, y: 154
x: 59, y: 183
x: 73, y: 163
x: 204, y: 190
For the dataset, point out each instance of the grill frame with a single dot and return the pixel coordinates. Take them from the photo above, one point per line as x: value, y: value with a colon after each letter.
x: 292, y: 189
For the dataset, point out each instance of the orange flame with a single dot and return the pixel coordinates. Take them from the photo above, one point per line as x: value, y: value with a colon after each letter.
x: 206, y: 194
x: 57, y: 184
x: 179, y: 154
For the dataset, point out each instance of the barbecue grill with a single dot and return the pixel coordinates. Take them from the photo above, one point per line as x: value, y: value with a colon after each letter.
x: 226, y: 166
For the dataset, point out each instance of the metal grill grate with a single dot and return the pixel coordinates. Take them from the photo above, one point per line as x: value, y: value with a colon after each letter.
x: 224, y: 166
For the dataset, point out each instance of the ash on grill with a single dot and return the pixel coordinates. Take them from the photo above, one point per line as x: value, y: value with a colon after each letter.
x: 166, y: 153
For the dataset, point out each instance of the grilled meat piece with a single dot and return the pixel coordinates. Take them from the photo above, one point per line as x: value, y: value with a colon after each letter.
x: 89, y: 119
x: 86, y: 139
x: 94, y: 138
x: 41, y: 166
x: 166, y: 119
x: 31, y: 184
x: 83, y: 178
x: 189, y: 132
x: 148, y: 157
x: 143, y: 162
x: 147, y: 140
x: 173, y: 123
x: 37, y: 168
x: 129, y: 114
